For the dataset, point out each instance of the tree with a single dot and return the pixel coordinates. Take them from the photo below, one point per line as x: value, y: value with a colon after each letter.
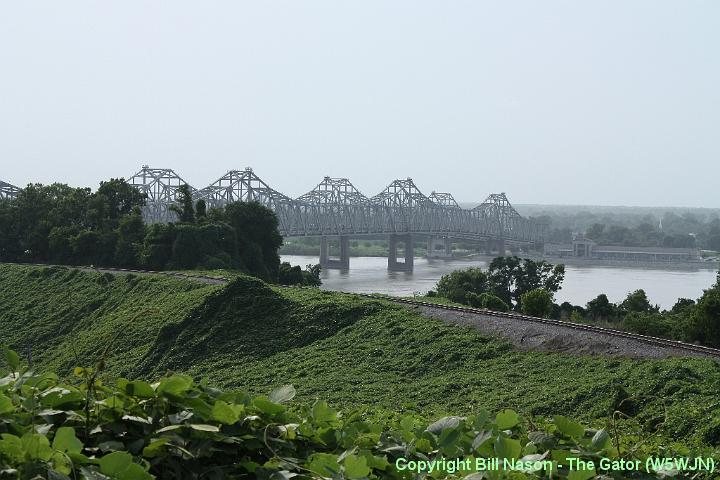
x: 683, y: 305
x: 706, y: 317
x: 537, y: 302
x: 131, y: 235
x: 113, y: 200
x: 184, y: 210
x: 258, y: 237
x: 457, y: 285
x: 600, y: 308
x: 637, y: 302
x: 201, y: 210
x: 510, y: 277
x: 293, y: 275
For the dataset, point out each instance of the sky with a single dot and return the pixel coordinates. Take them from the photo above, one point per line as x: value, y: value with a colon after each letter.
x: 554, y: 102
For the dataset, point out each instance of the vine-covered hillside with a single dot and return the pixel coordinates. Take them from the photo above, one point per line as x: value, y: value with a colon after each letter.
x: 351, y: 351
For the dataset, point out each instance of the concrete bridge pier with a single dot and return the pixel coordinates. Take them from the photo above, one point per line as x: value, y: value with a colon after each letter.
x: 495, y: 246
x: 439, y: 247
x: 329, y: 263
x: 393, y: 264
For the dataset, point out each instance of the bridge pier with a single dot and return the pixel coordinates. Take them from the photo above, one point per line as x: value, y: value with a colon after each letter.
x: 329, y: 263
x: 393, y: 264
x: 439, y: 247
x: 495, y: 246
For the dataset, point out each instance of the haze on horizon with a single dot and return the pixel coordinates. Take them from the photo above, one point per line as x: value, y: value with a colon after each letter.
x: 553, y: 102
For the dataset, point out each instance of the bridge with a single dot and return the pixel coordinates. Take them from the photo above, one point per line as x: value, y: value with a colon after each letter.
x: 336, y: 210
x: 8, y: 191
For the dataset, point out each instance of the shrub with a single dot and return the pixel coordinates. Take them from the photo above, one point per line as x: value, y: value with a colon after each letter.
x: 537, y: 302
x: 487, y: 300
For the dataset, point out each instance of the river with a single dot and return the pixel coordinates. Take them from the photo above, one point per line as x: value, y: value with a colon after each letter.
x: 582, y: 283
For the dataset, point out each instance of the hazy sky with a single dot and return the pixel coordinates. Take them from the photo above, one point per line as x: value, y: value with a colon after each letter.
x: 603, y: 102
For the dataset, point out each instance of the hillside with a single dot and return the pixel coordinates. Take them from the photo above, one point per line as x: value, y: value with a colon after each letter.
x: 351, y: 351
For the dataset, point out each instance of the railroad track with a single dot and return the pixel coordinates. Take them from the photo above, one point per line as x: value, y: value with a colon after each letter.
x: 661, y: 342
x: 656, y: 341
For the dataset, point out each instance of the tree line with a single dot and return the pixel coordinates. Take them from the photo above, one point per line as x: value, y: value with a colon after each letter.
x: 668, y: 229
x: 529, y: 286
x: 74, y: 226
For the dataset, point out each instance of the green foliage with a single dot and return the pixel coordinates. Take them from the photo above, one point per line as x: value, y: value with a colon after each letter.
x: 706, y: 317
x: 256, y: 227
x: 600, y: 308
x: 73, y: 226
x: 487, y: 300
x: 506, y: 280
x: 60, y: 224
x: 637, y: 302
x: 511, y: 277
x: 456, y: 285
x: 537, y: 302
x: 294, y: 275
x: 184, y: 209
x: 176, y: 428
x: 349, y: 350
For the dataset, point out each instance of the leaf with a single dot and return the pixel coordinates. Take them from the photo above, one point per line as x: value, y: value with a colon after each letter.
x: 115, y: 462
x: 203, y: 428
x: 175, y: 385
x: 506, y: 419
x: 133, y: 472
x: 156, y: 448
x: 581, y: 474
x: 507, y: 447
x: 481, y: 438
x: 137, y: 388
x: 542, y: 440
x: 12, y: 359
x: 324, y: 464
x: 266, y: 406
x: 6, y: 405
x: 282, y: 394
x: 600, y: 440
x: 11, y: 447
x: 65, y: 441
x: 224, y: 413
x: 321, y: 412
x: 442, y: 424
x: 568, y: 427
x: 356, y: 467
x: 37, y: 446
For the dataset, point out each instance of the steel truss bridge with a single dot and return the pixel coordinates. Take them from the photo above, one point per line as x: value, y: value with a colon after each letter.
x: 335, y: 208
x: 8, y: 191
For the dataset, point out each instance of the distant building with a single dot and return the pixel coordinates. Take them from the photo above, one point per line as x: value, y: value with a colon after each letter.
x: 583, y: 247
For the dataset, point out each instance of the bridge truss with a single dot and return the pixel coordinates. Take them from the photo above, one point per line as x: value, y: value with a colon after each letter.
x: 8, y: 191
x: 336, y: 207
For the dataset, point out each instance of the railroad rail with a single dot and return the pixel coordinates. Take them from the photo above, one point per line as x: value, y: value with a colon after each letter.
x: 656, y: 341
x: 661, y: 342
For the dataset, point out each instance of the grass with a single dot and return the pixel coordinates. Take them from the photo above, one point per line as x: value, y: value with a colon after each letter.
x: 355, y: 352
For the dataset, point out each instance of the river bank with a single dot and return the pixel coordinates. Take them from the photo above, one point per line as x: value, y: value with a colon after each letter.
x: 582, y: 282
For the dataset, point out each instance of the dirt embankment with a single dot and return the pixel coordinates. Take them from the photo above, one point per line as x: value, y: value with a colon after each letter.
x: 527, y: 335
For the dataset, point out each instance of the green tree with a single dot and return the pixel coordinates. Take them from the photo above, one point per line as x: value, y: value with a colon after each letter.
x: 600, y: 308
x: 637, y: 302
x: 131, y: 235
x: 510, y: 277
x: 258, y: 237
x: 706, y: 317
x: 184, y: 209
x: 537, y: 302
x: 457, y: 285
x: 201, y: 210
